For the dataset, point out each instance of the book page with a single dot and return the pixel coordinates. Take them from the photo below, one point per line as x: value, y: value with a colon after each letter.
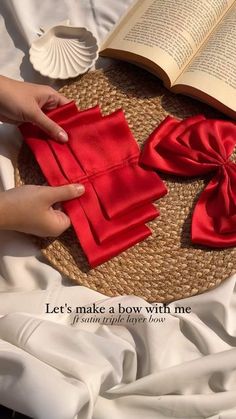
x: 213, y: 70
x: 167, y: 32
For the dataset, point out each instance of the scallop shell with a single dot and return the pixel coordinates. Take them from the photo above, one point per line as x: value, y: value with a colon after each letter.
x: 63, y: 52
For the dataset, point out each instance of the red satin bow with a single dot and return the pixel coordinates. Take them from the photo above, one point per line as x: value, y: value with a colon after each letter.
x: 103, y: 155
x: 193, y: 147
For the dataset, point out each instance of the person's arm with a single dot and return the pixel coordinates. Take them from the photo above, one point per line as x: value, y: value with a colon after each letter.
x: 29, y: 209
x: 23, y: 102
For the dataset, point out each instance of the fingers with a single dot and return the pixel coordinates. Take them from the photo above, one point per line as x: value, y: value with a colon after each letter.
x: 59, y: 222
x: 62, y: 100
x: 47, y: 98
x: 49, y: 126
x: 53, y: 99
x: 63, y: 193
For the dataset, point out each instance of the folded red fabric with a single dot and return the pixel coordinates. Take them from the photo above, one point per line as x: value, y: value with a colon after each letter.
x: 196, y: 146
x: 108, y: 154
x: 88, y: 158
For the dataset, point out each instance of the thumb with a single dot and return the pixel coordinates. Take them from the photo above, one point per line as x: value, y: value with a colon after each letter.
x: 49, y: 126
x: 63, y: 193
x: 59, y: 222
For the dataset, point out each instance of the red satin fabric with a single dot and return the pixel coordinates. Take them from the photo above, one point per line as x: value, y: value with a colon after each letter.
x: 101, y: 153
x: 193, y: 147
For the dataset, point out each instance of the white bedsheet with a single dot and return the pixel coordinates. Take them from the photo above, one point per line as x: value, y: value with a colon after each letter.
x: 182, y: 368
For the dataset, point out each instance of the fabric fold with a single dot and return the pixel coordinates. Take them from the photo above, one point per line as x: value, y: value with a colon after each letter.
x: 108, y: 154
x: 110, y: 217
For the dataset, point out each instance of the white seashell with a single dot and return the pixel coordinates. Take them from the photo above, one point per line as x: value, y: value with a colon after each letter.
x: 64, y: 51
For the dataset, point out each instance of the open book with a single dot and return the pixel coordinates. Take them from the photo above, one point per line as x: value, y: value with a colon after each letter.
x: 189, y: 44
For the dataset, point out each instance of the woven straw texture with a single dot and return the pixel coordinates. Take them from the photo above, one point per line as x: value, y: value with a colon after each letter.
x: 166, y: 266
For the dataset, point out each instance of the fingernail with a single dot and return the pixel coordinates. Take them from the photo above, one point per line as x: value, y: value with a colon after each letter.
x: 62, y: 136
x: 79, y: 188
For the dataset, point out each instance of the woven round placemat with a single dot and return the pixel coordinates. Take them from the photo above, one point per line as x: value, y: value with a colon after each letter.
x: 166, y: 266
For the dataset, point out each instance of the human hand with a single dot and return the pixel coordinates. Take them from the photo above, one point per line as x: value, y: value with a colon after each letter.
x: 24, y: 102
x: 29, y: 209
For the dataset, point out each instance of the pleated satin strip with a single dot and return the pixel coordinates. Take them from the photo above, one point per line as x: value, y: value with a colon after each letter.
x: 102, y: 234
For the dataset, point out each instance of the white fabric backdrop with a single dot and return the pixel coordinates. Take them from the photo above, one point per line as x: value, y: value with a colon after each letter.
x: 182, y: 368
